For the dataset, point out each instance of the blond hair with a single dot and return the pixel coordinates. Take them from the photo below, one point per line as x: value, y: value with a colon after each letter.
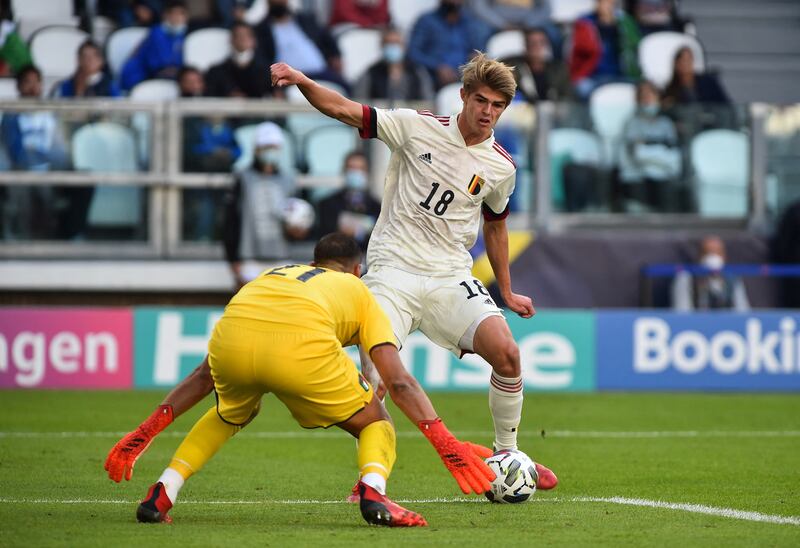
x: 482, y: 70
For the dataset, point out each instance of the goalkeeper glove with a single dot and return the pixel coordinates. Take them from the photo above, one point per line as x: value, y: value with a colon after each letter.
x: 464, y: 460
x: 123, y: 455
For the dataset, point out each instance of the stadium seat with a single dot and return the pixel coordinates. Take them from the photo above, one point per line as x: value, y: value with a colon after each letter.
x: 505, y: 44
x: 206, y: 47
x: 42, y: 9
x: 109, y: 147
x: 245, y: 137
x: 448, y: 99
x: 157, y: 89
x: 404, y: 14
x: 566, y: 11
x: 583, y: 147
x: 8, y: 88
x: 657, y: 52
x: 26, y: 28
x: 360, y: 49
x: 121, y: 44
x: 720, y: 161
x: 611, y: 106
x: 256, y: 12
x: 325, y: 148
x: 55, y: 50
x: 102, y: 27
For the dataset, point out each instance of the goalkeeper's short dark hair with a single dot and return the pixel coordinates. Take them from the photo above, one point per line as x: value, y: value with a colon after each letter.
x: 337, y: 247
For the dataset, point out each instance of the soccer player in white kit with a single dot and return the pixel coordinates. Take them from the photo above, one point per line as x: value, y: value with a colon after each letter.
x: 444, y: 171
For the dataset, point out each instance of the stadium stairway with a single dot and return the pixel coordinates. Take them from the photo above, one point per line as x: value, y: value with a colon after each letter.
x: 754, y: 43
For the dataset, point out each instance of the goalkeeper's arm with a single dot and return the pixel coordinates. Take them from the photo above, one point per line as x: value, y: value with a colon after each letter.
x: 122, y: 457
x: 462, y: 459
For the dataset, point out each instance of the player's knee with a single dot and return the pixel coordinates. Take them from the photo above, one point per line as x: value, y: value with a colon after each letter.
x: 506, y: 362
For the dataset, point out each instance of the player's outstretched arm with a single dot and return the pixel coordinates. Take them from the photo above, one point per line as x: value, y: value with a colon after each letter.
x: 495, y: 237
x: 123, y: 456
x: 464, y: 460
x: 325, y: 100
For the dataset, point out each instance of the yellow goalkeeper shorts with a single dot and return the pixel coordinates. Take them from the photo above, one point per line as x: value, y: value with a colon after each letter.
x: 309, y: 372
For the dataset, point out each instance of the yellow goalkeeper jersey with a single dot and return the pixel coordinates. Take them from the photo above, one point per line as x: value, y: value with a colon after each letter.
x: 312, y: 300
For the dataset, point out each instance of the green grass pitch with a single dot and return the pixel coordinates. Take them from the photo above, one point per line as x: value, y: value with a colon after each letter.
x: 736, y: 456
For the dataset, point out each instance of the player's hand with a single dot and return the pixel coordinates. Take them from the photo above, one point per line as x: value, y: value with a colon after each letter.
x: 284, y: 75
x: 520, y: 304
x: 122, y: 457
x: 464, y: 460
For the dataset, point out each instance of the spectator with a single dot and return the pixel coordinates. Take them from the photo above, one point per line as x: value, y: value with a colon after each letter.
x: 253, y: 228
x: 141, y: 13
x: 244, y: 73
x: 351, y: 210
x: 32, y: 142
x: 444, y: 39
x: 512, y: 14
x: 363, y: 13
x: 394, y: 77
x: 91, y: 79
x: 160, y: 55
x: 688, y: 87
x: 709, y: 291
x: 297, y: 39
x: 604, y: 48
x: 650, y: 159
x: 656, y: 15
x: 539, y: 76
x: 14, y: 53
x: 232, y: 11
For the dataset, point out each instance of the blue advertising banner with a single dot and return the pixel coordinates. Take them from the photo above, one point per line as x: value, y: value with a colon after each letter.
x: 699, y: 351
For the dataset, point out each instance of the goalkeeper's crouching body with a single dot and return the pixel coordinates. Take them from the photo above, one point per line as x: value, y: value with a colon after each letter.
x: 269, y: 340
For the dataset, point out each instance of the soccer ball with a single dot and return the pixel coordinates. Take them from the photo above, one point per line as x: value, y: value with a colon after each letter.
x: 515, y: 477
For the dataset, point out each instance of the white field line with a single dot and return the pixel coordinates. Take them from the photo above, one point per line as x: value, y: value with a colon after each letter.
x: 305, y: 434
x: 729, y: 513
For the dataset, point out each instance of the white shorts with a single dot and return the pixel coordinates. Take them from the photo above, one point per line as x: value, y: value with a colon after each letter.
x: 447, y: 309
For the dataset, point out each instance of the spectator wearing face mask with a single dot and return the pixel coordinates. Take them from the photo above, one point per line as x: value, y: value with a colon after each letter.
x: 713, y: 291
x: 650, y: 160
x: 351, y: 210
x: 91, y: 79
x: 244, y: 73
x: 394, y: 77
x: 254, y: 207
x: 160, y: 55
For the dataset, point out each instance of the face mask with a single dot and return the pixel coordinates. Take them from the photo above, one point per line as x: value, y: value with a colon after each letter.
x: 242, y: 58
x: 393, y: 53
x: 279, y: 10
x: 174, y: 30
x: 355, y: 179
x: 649, y: 110
x: 270, y: 156
x: 712, y: 261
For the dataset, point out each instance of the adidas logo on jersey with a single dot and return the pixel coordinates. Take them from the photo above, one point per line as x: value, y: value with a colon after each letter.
x: 426, y: 158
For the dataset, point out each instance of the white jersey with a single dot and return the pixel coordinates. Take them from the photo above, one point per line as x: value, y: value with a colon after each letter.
x: 435, y: 189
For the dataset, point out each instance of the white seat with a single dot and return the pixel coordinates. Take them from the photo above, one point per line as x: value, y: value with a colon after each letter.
x: 109, y: 147
x: 611, y: 106
x: 360, y: 48
x: 206, y: 47
x: 8, y: 88
x: 245, y: 138
x: 256, y: 12
x: 506, y: 43
x: 566, y: 11
x: 121, y: 44
x: 657, y: 54
x: 102, y: 28
x: 404, y: 13
x: 325, y: 149
x: 26, y: 28
x: 583, y: 147
x: 42, y: 9
x: 448, y: 99
x: 55, y: 50
x: 157, y: 89
x: 720, y: 161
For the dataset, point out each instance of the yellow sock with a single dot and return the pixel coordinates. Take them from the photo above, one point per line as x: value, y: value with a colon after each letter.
x: 204, y: 440
x: 376, y: 453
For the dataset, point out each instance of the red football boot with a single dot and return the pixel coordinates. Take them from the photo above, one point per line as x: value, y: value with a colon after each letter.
x: 547, y: 479
x: 379, y: 510
x: 155, y: 506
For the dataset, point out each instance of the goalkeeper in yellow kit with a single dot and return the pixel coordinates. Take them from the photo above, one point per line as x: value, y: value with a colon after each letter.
x: 284, y: 333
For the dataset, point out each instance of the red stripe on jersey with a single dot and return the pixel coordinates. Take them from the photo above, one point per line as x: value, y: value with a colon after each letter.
x: 369, y: 123
x: 444, y: 120
x: 503, y: 153
x: 489, y: 215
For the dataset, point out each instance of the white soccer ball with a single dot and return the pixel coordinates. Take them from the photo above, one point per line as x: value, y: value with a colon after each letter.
x: 515, y: 477
x: 298, y: 214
